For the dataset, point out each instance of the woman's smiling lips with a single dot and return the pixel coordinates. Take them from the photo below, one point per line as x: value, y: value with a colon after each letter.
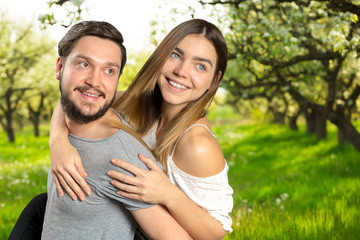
x: 176, y: 85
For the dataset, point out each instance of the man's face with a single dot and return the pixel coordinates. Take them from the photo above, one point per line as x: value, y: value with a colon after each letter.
x: 88, y: 78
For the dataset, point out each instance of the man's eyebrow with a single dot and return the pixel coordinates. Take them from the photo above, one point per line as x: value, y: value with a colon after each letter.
x: 196, y: 58
x: 90, y: 60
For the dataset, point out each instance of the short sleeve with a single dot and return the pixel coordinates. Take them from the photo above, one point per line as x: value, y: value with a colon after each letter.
x: 122, y: 146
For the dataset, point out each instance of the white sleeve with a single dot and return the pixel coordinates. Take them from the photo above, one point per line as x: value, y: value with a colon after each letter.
x: 214, y: 193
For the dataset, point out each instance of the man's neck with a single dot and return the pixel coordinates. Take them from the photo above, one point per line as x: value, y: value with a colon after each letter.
x: 98, y: 129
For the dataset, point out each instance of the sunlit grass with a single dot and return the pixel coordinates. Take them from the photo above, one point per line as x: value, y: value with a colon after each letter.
x: 288, y: 185
x: 23, y: 173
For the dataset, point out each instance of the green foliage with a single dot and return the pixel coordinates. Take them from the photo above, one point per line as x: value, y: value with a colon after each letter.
x: 26, y: 70
x: 300, y: 58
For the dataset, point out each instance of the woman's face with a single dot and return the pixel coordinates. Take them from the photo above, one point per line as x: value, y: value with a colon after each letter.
x: 188, y: 72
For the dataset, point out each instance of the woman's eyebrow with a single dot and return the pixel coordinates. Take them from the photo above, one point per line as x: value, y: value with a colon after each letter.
x: 179, y: 50
x: 196, y: 58
x: 203, y: 60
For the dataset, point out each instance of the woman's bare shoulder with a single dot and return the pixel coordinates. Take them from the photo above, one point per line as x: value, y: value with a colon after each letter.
x: 198, y: 153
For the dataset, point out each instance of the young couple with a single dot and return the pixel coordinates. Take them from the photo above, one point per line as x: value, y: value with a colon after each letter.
x: 177, y: 190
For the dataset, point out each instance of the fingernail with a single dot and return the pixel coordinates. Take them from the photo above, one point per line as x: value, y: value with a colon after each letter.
x: 140, y: 155
x: 74, y: 198
x: 88, y: 192
x: 114, y: 161
x: 109, y: 173
x: 82, y: 198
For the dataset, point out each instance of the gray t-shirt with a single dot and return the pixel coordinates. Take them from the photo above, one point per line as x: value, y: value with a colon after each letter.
x: 104, y: 214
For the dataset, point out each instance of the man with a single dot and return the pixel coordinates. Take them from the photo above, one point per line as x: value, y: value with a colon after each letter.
x: 91, y: 59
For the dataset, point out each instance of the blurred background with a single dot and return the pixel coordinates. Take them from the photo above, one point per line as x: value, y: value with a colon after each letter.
x: 287, y: 115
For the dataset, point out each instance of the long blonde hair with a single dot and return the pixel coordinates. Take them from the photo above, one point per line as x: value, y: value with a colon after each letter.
x: 141, y: 102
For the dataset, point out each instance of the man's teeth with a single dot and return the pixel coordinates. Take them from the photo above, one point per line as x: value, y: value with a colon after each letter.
x: 176, y: 85
x: 89, y: 94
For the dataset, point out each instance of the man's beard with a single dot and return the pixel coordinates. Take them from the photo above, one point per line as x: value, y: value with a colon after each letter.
x: 74, y: 113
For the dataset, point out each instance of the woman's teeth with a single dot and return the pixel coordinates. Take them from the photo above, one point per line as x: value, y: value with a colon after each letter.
x: 176, y: 85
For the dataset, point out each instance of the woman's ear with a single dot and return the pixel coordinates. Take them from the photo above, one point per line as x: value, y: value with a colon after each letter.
x: 59, y: 67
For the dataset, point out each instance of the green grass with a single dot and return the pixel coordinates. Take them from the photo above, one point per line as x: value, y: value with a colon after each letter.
x: 23, y: 174
x: 287, y: 185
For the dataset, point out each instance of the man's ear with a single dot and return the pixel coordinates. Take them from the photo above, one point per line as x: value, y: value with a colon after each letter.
x: 59, y: 67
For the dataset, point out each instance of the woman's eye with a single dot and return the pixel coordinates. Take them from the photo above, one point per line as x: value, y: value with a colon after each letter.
x: 201, y: 67
x: 175, y: 56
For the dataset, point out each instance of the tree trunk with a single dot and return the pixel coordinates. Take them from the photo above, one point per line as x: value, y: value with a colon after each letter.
x: 279, y: 117
x: 310, y: 122
x: 341, y: 137
x: 9, y: 128
x: 293, y: 121
x: 347, y: 129
x: 36, y: 127
x: 293, y: 124
x: 321, y: 132
x: 35, y: 114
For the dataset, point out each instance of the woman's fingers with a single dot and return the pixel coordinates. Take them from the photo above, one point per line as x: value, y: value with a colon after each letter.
x: 124, y: 178
x: 66, y: 187
x: 125, y: 187
x: 80, y: 168
x: 127, y: 166
x: 130, y: 195
x: 149, y: 162
x: 80, y: 184
x: 73, y: 184
x: 58, y: 186
x: 69, y: 185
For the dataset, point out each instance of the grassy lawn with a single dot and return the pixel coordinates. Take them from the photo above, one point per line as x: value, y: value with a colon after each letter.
x: 23, y: 173
x: 287, y: 184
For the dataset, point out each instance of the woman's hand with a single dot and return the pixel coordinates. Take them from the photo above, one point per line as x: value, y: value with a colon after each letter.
x: 151, y: 186
x: 67, y: 170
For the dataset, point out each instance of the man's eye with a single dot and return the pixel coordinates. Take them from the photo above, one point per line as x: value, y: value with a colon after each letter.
x: 84, y: 65
x: 109, y: 71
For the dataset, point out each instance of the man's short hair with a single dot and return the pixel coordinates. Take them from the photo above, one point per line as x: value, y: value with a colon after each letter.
x: 91, y: 28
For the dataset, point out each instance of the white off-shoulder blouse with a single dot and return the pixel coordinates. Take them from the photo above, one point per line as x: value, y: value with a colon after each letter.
x: 213, y: 193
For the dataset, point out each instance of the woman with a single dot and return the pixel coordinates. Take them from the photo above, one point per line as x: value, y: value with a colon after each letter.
x: 166, y: 105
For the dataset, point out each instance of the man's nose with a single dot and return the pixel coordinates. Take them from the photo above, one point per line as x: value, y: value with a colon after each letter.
x: 93, y: 79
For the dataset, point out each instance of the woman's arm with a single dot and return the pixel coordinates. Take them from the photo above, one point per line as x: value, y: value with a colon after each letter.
x: 199, y: 155
x: 204, y: 159
x: 65, y: 164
